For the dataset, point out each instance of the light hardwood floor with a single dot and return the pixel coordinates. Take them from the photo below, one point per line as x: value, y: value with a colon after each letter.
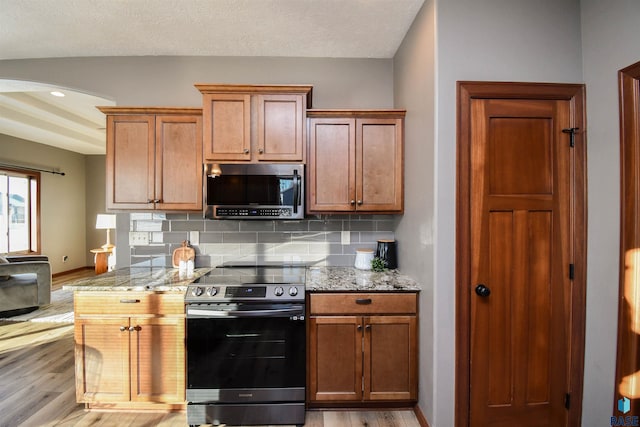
x: 37, y: 385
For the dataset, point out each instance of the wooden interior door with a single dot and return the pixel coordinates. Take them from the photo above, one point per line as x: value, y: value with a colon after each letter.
x: 525, y: 221
x: 627, y: 385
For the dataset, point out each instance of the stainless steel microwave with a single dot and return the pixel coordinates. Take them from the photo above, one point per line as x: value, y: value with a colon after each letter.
x: 254, y: 191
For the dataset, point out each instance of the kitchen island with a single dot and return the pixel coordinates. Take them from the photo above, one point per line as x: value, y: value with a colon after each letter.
x: 129, y: 338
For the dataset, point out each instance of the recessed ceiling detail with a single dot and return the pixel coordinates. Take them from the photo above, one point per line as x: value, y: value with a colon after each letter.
x: 29, y: 111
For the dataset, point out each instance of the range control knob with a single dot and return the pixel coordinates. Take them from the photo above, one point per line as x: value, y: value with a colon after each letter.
x: 211, y: 291
x: 278, y: 291
x: 197, y: 291
x: 293, y: 291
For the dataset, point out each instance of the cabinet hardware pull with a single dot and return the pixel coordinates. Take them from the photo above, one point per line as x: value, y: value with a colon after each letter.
x: 246, y: 151
x: 352, y: 202
x: 260, y: 150
x: 359, y: 202
x: 123, y: 328
x: 132, y: 328
x: 129, y: 301
x: 157, y: 201
x: 363, y: 301
x: 149, y: 200
x: 368, y: 327
x: 359, y: 327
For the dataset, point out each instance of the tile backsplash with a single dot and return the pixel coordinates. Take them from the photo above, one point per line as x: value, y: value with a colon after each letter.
x: 313, y: 241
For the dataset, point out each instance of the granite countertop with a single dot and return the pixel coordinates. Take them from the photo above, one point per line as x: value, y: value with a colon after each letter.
x: 318, y: 279
x: 159, y: 279
x: 349, y: 279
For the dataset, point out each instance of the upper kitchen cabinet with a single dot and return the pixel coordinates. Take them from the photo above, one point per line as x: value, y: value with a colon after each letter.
x: 355, y: 161
x: 154, y: 158
x: 254, y: 123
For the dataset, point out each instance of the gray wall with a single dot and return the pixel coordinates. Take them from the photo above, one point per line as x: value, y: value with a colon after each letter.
x: 414, y: 76
x: 610, y: 42
x: 62, y: 199
x: 500, y: 40
x: 168, y: 81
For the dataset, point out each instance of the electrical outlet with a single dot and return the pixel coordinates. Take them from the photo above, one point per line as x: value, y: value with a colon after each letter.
x: 345, y: 238
x: 194, y: 238
x: 138, y: 238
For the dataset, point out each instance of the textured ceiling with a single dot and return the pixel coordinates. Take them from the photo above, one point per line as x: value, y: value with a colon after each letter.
x: 304, y: 28
x: 81, y: 28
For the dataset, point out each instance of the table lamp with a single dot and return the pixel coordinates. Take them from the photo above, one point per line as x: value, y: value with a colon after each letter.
x: 106, y: 222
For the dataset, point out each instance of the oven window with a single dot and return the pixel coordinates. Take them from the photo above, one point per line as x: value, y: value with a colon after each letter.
x: 247, y: 189
x: 245, y: 353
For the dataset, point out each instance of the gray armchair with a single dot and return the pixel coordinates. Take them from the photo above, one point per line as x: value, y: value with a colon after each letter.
x: 25, y: 282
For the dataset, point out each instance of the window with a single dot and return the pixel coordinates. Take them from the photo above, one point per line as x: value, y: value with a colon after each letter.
x: 19, y: 211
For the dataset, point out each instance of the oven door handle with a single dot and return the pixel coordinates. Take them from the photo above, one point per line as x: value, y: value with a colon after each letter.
x: 198, y: 312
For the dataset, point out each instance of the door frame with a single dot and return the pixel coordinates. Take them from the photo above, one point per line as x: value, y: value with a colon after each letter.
x: 628, y: 347
x: 575, y: 94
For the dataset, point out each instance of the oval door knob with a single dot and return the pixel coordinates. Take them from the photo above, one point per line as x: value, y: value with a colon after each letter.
x: 482, y: 290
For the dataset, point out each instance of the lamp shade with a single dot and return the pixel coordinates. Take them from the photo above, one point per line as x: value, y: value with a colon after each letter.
x: 105, y: 221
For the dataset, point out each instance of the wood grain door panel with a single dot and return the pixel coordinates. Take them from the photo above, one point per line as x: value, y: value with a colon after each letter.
x: 335, y: 358
x: 227, y: 128
x: 179, y: 162
x: 157, y: 360
x: 520, y: 248
x: 390, y: 368
x: 102, y: 360
x: 331, y: 165
x: 130, y: 161
x: 379, y: 164
x: 281, y: 123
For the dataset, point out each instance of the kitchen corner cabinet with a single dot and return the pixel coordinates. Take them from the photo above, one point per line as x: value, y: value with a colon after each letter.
x: 355, y: 161
x: 154, y: 158
x: 254, y: 123
x: 362, y: 348
x: 129, y: 350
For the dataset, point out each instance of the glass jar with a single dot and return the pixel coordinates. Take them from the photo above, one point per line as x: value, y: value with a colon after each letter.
x: 363, y: 259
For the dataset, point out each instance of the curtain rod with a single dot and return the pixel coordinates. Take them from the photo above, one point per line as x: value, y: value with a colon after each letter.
x: 7, y: 165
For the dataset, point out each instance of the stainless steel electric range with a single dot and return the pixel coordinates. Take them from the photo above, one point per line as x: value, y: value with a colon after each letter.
x: 246, y: 346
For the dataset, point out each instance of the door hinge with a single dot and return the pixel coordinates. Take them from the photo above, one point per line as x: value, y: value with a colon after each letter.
x: 567, y: 400
x: 572, y: 271
x: 572, y: 135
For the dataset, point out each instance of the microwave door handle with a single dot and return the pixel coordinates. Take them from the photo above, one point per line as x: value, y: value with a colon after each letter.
x: 296, y: 191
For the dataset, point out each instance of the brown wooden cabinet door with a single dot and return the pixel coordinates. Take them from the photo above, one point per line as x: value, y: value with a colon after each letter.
x: 390, y: 365
x: 332, y: 164
x: 335, y: 359
x: 130, y: 161
x: 178, y: 154
x: 157, y: 360
x: 102, y: 360
x: 227, y: 126
x: 281, y: 127
x: 355, y: 162
x: 379, y: 170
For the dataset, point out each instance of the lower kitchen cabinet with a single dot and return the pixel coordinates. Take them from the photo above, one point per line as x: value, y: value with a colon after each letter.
x: 362, y: 348
x: 126, y: 358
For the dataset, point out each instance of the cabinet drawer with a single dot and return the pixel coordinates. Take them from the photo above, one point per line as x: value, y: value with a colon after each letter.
x: 363, y: 303
x: 127, y: 303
